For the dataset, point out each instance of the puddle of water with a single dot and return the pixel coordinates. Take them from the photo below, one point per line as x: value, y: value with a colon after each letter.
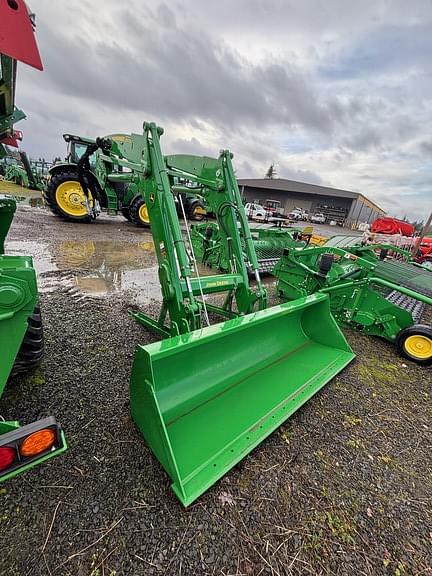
x: 22, y: 195
x: 42, y: 257
x: 96, y: 268
x: 32, y: 201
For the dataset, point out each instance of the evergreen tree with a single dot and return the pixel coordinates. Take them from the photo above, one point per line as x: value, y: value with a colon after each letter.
x: 271, y: 172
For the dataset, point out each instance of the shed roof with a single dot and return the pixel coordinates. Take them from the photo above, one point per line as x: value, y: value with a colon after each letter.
x: 285, y: 185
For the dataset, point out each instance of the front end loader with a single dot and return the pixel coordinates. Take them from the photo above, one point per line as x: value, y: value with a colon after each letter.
x: 206, y: 395
x: 377, y: 296
x: 21, y: 336
x: 96, y: 178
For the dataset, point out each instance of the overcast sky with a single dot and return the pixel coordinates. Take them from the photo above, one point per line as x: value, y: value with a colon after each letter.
x: 331, y: 92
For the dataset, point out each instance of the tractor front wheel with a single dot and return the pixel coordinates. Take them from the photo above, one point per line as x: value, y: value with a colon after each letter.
x: 32, y: 347
x: 415, y: 343
x: 138, y: 212
x: 66, y: 198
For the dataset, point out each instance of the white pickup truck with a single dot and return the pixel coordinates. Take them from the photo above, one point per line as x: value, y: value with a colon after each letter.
x: 318, y: 218
x: 256, y: 211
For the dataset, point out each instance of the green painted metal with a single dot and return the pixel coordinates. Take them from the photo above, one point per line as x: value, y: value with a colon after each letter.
x: 24, y: 174
x: 18, y: 298
x: 116, y: 164
x: 205, y: 399
x: 18, y: 287
x: 269, y: 243
x: 7, y: 211
x: 219, y: 187
x: 207, y: 395
x: 361, y: 289
x: 9, y: 113
x: 16, y: 173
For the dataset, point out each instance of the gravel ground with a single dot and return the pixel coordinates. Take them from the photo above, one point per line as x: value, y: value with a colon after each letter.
x: 343, y: 487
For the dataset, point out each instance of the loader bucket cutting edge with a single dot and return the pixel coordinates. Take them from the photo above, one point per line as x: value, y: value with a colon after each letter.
x: 205, y: 399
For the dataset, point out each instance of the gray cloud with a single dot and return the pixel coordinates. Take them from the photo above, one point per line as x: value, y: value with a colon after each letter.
x: 331, y: 92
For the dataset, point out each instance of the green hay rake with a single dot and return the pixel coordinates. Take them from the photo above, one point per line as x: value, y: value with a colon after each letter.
x: 379, y: 297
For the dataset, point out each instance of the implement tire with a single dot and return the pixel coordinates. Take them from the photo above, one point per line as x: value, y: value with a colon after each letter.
x: 65, y: 196
x: 415, y: 343
x: 32, y: 347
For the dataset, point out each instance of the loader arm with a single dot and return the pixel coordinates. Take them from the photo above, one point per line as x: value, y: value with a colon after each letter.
x: 183, y: 292
x: 204, y: 396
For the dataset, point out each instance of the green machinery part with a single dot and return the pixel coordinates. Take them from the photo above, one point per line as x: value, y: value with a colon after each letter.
x: 204, y: 400
x: 21, y: 339
x: 205, y: 396
x: 21, y: 345
x: 103, y: 174
x: 382, y: 298
x: 269, y: 243
x: 24, y: 173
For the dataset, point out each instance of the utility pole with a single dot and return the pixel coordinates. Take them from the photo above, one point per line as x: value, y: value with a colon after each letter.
x: 423, y: 234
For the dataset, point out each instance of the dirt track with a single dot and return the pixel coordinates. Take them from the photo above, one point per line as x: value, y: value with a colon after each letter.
x: 344, y: 487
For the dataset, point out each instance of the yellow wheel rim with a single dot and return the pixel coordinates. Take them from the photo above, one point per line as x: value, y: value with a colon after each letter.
x: 199, y: 211
x: 71, y: 199
x: 143, y: 214
x: 418, y: 346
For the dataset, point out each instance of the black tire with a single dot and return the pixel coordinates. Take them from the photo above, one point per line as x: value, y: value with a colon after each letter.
x: 32, y: 347
x: 125, y: 212
x: 406, y: 349
x: 68, y: 174
x: 197, y: 211
x: 134, y: 212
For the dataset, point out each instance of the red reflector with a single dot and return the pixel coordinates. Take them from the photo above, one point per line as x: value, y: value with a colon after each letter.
x: 7, y: 456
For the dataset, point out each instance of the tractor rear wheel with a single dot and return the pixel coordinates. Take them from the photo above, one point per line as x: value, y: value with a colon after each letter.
x: 66, y: 198
x: 138, y: 212
x: 415, y: 343
x: 32, y: 347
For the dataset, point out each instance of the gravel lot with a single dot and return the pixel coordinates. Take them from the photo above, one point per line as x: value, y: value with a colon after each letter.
x: 344, y: 487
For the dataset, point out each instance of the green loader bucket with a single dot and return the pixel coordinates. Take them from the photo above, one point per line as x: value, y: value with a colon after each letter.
x: 205, y: 399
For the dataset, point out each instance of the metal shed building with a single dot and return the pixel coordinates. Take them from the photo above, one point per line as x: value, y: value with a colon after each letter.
x: 343, y: 206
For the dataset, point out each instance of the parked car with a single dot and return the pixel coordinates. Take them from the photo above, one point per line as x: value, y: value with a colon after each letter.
x: 318, y: 218
x: 256, y: 211
x: 298, y: 214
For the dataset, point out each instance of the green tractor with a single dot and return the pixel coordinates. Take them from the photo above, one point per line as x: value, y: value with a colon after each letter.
x: 21, y: 335
x: 372, y: 293
x: 96, y: 178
